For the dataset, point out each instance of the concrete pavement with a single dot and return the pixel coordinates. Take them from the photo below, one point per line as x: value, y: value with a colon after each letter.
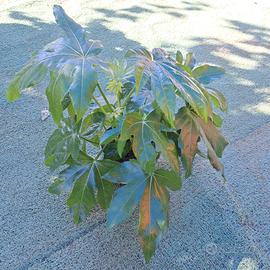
x: 212, y: 225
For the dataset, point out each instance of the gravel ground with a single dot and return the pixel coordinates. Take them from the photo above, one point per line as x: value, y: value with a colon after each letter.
x: 213, y: 226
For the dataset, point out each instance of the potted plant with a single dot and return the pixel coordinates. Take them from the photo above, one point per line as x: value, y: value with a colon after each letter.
x: 108, y: 147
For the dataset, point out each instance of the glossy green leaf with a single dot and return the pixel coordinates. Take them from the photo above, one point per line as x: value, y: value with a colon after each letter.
x: 104, y: 188
x: 124, y: 173
x: 73, y: 56
x: 190, y: 60
x: 56, y: 186
x: 141, y: 78
x: 127, y: 197
x: 207, y: 73
x: 179, y: 58
x: 134, y: 125
x: 170, y: 179
x: 81, y: 199
x: 65, y: 181
x: 217, y: 120
x: 145, y: 130
x: 218, y: 99
x: 86, y: 179
x: 62, y: 143
x: 55, y: 93
x: 186, y: 87
x: 153, y: 217
x: 93, y: 123
x: 164, y: 93
x: 29, y: 76
x: 124, y: 202
x: 109, y: 135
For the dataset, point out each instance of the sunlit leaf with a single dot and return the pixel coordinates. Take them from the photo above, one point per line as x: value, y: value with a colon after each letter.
x: 207, y: 73
x: 145, y: 130
x: 217, y: 120
x: 73, y: 56
x: 179, y: 58
x: 190, y: 60
x: 29, y: 76
x: 218, y: 99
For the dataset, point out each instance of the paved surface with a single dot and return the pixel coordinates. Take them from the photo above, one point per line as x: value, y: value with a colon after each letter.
x: 212, y: 226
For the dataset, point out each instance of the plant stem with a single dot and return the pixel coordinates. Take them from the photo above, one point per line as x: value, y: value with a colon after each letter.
x: 128, y: 96
x: 118, y: 100
x: 100, y: 106
x: 104, y: 97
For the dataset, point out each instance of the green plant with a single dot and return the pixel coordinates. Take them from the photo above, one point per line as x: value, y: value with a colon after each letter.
x: 158, y: 106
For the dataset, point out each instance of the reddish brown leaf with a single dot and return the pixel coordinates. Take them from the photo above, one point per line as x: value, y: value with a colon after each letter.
x: 189, y: 137
x: 213, y: 135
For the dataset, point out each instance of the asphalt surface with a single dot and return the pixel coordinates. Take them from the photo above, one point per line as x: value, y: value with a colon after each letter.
x: 212, y: 225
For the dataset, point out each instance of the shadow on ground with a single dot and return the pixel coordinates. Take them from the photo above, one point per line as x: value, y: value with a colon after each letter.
x: 206, y: 229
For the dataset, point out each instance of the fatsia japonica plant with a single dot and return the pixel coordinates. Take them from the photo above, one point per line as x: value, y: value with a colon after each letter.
x: 108, y: 144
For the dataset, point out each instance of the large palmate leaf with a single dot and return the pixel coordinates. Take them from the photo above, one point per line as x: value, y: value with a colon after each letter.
x: 148, y: 189
x: 147, y: 139
x: 194, y: 127
x: 87, y: 187
x: 153, y: 216
x: 161, y: 86
x: 66, y: 178
x: 73, y: 56
x: 168, y: 79
x: 127, y: 197
x: 81, y: 199
x: 63, y: 143
x: 188, y: 137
